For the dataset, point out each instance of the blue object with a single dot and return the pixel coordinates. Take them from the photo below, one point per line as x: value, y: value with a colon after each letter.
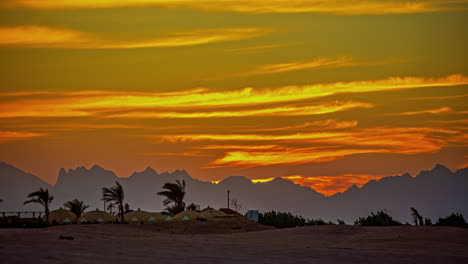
x: 252, y: 215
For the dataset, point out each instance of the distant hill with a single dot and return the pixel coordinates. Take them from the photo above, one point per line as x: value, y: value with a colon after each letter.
x: 15, y: 185
x: 437, y: 192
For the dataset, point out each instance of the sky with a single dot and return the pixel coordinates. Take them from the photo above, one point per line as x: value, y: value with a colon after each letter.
x: 325, y: 93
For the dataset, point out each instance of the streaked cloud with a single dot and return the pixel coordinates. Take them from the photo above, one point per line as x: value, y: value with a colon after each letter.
x: 327, y: 185
x: 325, y: 124
x: 323, y: 146
x: 318, y: 109
x: 185, y: 154
x: 324, y: 62
x: 429, y: 111
x: 94, y: 103
x: 431, y: 98
x: 300, y: 65
x: 348, y: 7
x: 47, y: 37
x: 330, y: 185
x: 288, y: 156
x: 7, y: 136
x: 257, y: 49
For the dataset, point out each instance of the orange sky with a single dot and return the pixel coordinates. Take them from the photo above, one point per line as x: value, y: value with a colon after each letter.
x: 325, y: 93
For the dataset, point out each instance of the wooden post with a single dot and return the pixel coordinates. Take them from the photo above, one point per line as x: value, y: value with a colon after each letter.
x: 228, y: 198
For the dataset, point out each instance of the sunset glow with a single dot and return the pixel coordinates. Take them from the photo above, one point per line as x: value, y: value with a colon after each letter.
x: 325, y: 94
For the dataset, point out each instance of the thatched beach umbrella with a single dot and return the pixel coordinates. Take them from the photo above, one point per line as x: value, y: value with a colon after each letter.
x: 186, y: 215
x: 143, y: 217
x: 61, y: 216
x: 211, y: 213
x: 97, y: 217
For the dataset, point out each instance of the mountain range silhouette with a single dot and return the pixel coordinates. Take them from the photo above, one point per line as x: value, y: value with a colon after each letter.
x: 435, y: 193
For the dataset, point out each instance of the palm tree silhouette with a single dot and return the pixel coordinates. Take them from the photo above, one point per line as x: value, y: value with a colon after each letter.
x: 175, y: 194
x: 76, y: 206
x: 110, y: 207
x: 417, y: 218
x: 115, y: 194
x: 43, y: 198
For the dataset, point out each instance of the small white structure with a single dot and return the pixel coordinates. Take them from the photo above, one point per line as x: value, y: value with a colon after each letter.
x: 186, y: 218
x: 100, y: 220
x: 134, y: 219
x: 252, y: 215
x: 168, y: 218
x: 66, y: 220
x: 152, y: 219
x: 83, y: 220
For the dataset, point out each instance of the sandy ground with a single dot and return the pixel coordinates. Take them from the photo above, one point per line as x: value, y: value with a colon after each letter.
x: 190, y: 243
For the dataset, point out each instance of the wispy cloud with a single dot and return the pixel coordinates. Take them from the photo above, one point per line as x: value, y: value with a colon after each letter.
x: 325, y: 124
x: 330, y: 185
x: 256, y: 49
x: 7, y: 136
x: 323, y: 108
x: 324, y: 146
x: 348, y: 7
x: 428, y: 111
x: 95, y: 103
x: 317, y: 63
x: 442, y: 97
x: 327, y: 185
x: 47, y: 37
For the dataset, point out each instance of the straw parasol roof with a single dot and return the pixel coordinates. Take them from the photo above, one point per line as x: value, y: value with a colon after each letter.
x: 186, y: 215
x: 212, y: 213
x: 142, y: 216
x: 97, y: 216
x: 61, y: 216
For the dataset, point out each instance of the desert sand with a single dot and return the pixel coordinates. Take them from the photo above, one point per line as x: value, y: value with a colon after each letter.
x: 231, y: 241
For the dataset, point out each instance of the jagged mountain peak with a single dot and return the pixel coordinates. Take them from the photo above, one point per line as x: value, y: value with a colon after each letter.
x: 462, y: 172
x: 406, y: 175
x: 440, y: 168
x: 183, y: 174
x: 149, y: 169
x: 148, y: 172
x: 354, y: 188
x: 236, y: 180
x: 96, y: 167
x: 438, y: 171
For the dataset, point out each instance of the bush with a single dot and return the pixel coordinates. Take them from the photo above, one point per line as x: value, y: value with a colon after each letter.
x: 427, y: 222
x: 452, y: 220
x: 286, y: 219
x: 378, y: 219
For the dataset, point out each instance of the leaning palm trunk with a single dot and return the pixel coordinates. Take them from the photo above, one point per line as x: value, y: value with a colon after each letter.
x: 115, y: 194
x: 121, y: 209
x: 43, y: 198
x: 47, y: 214
x: 418, y: 219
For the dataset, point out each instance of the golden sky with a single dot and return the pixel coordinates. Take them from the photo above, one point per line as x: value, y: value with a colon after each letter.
x: 324, y: 93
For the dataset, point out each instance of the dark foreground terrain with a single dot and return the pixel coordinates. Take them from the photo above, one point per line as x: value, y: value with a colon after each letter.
x: 194, y: 242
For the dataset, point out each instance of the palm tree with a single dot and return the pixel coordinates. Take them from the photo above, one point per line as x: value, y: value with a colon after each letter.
x: 76, y: 206
x: 115, y: 194
x: 175, y: 194
x: 110, y: 207
x: 43, y: 198
x: 417, y: 218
